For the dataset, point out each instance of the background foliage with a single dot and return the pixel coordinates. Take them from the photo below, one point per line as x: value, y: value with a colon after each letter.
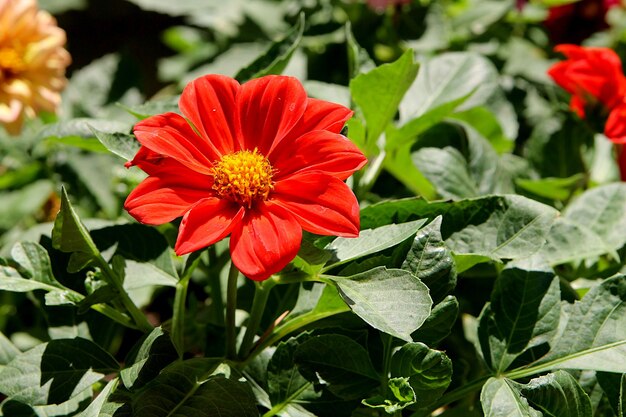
x: 487, y: 279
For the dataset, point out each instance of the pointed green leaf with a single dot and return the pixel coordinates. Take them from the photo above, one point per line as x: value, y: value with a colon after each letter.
x: 121, y: 144
x: 94, y: 409
x: 8, y: 351
x: 391, y: 300
x: 594, y: 335
x: 430, y: 260
x: 524, y: 312
x: 371, y: 241
x: 69, y: 234
x: 400, y: 394
x: 379, y: 92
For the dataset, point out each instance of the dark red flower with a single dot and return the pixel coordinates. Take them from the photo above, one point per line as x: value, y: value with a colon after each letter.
x: 575, y: 22
x: 258, y: 161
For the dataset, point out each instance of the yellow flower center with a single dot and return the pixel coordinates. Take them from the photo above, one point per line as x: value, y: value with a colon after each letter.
x: 243, y: 177
x: 11, y: 62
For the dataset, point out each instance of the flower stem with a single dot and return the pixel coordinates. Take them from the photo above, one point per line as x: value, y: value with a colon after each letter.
x: 261, y: 294
x: 217, y: 302
x: 138, y: 317
x: 178, y: 319
x: 231, y: 307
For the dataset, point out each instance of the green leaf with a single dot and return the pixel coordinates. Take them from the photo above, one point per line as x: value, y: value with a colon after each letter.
x: 379, y: 92
x: 121, y: 144
x: 558, y: 395
x: 448, y: 77
x: 400, y: 395
x: 25, y: 202
x: 501, y: 397
x: 430, y: 260
x: 11, y: 280
x: 559, y: 189
x: 94, y: 171
x: 8, y: 351
x: 196, y: 387
x: 94, y: 409
x: 524, y: 312
x: 447, y: 170
x: 69, y: 234
x: 603, y: 210
x: 569, y: 241
x: 276, y: 58
x: 54, y: 372
x: 34, y: 260
x: 439, y: 323
x: 284, y: 382
x: 151, y: 355
x: 614, y: 386
x: 339, y: 361
x: 153, y: 107
x: 371, y: 241
x: 594, y: 334
x: 68, y: 408
x: 391, y: 300
x: 429, y: 371
x: 79, y: 132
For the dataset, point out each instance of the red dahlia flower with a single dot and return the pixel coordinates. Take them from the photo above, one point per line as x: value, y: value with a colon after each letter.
x: 258, y: 161
x: 591, y: 75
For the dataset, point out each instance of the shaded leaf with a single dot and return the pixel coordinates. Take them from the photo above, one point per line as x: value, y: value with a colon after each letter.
x: 338, y: 361
x: 276, y: 58
x: 54, y: 372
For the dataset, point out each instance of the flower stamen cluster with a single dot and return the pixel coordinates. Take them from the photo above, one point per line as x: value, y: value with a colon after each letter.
x: 243, y: 177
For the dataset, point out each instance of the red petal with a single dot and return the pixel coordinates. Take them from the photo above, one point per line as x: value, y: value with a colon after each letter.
x: 209, y: 103
x: 321, y: 115
x: 265, y: 242
x: 320, y: 150
x: 615, y: 127
x: 269, y: 107
x: 323, y: 204
x: 157, y: 201
x: 206, y: 223
x: 170, y: 135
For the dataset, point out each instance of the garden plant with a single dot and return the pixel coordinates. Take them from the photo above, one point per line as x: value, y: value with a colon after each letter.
x: 304, y: 208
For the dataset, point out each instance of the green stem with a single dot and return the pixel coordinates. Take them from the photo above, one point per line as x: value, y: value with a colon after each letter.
x: 387, y: 351
x: 217, y: 302
x: 289, y: 327
x: 178, y: 318
x: 231, y: 307
x: 138, y: 317
x: 114, y: 315
x: 261, y: 294
x: 279, y: 407
x: 459, y: 393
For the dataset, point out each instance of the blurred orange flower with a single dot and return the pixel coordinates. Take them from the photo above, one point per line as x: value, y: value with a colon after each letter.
x: 32, y: 62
